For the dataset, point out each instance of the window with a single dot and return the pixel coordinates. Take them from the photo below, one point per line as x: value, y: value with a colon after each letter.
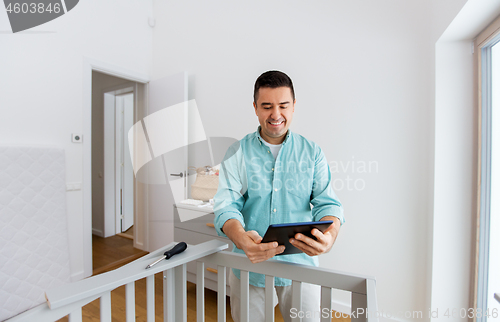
x: 487, y: 46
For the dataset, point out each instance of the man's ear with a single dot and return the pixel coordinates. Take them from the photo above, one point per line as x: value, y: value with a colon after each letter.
x: 293, y: 106
x: 255, y: 107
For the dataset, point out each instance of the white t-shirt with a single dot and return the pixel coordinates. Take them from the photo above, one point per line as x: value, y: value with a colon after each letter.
x: 275, y: 148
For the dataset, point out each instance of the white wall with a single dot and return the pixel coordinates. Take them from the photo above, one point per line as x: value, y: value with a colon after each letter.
x: 41, y: 83
x: 455, y: 121
x: 364, y: 79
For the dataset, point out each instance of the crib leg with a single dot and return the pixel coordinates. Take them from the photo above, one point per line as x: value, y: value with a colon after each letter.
x: 76, y: 316
x: 180, y: 293
x: 175, y: 294
x: 358, y: 306
x: 269, y: 298
x: 297, y: 299
x: 200, y: 292
x: 150, y: 287
x: 326, y: 303
x: 221, y: 293
x: 130, y: 302
x: 105, y: 307
x: 168, y: 295
x: 244, y: 296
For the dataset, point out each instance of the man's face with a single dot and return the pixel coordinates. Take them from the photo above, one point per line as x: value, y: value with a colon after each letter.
x: 274, y: 108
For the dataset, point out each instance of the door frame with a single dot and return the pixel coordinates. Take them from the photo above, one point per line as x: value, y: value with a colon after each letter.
x: 89, y: 65
x: 123, y: 166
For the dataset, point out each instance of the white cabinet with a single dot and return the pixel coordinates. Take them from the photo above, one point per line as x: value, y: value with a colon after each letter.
x: 197, y: 227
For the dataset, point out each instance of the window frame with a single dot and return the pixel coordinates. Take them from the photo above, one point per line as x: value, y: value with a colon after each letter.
x: 482, y: 74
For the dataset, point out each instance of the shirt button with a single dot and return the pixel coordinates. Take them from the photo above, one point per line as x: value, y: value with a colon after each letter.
x: 275, y: 190
x: 272, y: 169
x: 274, y: 210
x: 268, y: 151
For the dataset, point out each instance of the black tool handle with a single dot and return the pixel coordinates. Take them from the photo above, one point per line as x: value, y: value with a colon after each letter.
x: 177, y: 249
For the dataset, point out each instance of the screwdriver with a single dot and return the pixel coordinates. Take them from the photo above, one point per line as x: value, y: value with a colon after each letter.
x: 177, y: 249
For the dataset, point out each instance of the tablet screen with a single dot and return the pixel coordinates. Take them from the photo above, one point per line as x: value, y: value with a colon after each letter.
x: 283, y: 232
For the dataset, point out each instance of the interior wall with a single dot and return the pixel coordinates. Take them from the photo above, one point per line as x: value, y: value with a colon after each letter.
x: 100, y: 82
x: 41, y: 83
x: 455, y: 122
x: 364, y: 77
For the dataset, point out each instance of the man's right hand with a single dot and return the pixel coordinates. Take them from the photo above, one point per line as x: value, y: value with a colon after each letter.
x: 250, y: 242
x: 255, y: 250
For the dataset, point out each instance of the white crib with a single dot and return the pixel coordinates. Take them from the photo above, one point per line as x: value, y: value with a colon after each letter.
x: 70, y: 298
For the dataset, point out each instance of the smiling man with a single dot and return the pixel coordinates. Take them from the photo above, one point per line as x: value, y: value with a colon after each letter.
x: 273, y: 176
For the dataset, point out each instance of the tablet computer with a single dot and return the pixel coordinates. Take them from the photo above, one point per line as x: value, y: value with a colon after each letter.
x: 283, y: 232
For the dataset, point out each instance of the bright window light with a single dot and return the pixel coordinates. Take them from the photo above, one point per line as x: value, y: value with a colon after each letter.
x: 494, y: 256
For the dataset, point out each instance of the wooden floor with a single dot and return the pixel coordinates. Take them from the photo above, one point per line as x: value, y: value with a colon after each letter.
x: 113, y: 252
x: 129, y: 233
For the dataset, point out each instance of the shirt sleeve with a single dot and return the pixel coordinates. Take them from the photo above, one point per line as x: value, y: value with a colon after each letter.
x: 324, y: 200
x: 229, y: 200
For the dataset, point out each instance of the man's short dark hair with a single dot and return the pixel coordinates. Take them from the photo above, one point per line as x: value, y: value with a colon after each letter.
x: 272, y: 79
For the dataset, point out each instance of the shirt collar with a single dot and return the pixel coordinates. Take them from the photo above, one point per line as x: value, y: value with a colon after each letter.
x: 257, y: 135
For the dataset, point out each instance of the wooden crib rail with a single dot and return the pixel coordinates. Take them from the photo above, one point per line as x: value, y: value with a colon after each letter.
x: 362, y: 288
x: 297, y: 272
x: 70, y: 298
x: 134, y: 271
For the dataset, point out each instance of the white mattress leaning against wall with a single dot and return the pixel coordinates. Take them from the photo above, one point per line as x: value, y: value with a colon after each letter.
x: 34, y: 252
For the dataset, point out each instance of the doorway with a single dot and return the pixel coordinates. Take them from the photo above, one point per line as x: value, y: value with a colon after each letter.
x: 153, y: 202
x: 116, y: 104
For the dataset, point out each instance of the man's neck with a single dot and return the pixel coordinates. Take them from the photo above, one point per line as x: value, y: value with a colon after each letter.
x: 271, y: 140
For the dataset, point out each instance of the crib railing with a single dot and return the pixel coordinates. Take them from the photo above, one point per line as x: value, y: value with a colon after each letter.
x: 362, y: 288
x: 69, y: 299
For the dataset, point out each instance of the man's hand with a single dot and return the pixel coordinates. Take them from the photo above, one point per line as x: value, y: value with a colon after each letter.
x: 324, y: 241
x: 256, y: 251
x: 250, y: 242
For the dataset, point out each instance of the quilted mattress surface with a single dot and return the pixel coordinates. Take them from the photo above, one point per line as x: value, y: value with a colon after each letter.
x: 34, y: 252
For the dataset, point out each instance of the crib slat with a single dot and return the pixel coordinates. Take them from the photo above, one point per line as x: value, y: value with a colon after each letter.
x: 371, y: 300
x: 130, y: 301
x: 297, y: 297
x: 76, y: 316
x: 200, y: 291
x: 105, y: 304
x: 168, y: 295
x: 359, y: 305
x: 326, y: 302
x: 269, y: 298
x: 244, y: 296
x: 221, y: 293
x: 180, y: 293
x: 150, y: 298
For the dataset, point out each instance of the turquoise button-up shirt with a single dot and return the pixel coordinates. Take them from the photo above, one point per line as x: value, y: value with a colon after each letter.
x: 258, y: 190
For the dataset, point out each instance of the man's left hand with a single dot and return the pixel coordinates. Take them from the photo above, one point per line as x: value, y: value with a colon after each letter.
x: 324, y: 241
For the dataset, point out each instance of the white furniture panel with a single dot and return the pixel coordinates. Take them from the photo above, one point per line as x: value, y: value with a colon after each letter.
x: 34, y: 253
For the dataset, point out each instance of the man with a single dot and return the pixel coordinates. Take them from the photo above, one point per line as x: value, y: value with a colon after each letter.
x: 273, y: 176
